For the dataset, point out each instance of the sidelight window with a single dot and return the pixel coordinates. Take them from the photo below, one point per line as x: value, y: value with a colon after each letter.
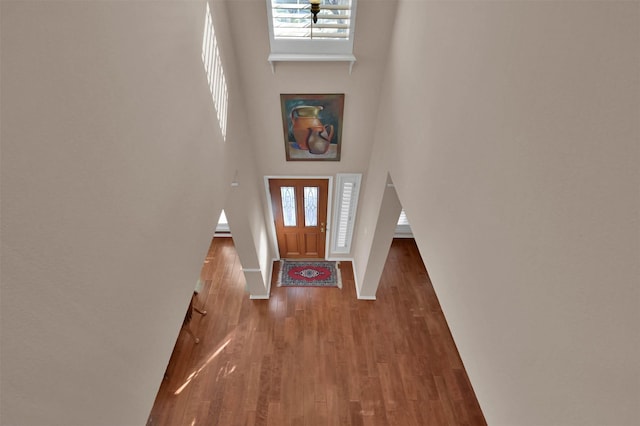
x: 348, y: 186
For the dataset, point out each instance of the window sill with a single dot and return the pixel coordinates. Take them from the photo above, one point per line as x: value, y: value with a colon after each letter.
x: 302, y: 57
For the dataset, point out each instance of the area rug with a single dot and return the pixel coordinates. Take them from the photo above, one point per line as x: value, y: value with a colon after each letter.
x: 297, y: 273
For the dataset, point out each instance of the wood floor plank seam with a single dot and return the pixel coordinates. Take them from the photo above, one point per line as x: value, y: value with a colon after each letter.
x: 317, y: 356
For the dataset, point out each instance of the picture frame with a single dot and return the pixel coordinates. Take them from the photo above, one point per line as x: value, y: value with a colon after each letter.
x: 312, y: 126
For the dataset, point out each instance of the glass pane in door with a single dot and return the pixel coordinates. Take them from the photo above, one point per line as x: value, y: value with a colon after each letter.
x: 288, y: 196
x: 310, y: 206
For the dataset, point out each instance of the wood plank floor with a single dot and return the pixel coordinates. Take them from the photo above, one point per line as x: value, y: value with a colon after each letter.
x: 317, y: 356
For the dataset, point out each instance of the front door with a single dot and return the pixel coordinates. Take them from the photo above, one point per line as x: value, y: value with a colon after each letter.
x: 300, y: 214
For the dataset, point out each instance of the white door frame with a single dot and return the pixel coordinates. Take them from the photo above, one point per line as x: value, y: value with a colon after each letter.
x: 272, y: 224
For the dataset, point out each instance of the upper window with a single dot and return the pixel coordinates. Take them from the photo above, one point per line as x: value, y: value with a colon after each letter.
x: 215, y: 73
x: 292, y: 30
x: 292, y: 19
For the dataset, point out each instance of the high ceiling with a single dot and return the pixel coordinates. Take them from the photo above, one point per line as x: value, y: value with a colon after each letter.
x: 262, y: 87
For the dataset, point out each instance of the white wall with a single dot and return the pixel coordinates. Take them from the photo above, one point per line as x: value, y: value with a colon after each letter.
x: 245, y: 199
x: 113, y: 175
x: 262, y: 89
x: 511, y: 132
x: 250, y: 235
x: 382, y: 237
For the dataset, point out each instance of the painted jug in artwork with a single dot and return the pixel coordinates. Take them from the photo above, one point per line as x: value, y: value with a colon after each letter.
x: 319, y: 139
x: 307, y: 126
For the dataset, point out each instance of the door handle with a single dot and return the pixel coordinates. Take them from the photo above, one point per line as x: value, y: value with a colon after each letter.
x: 322, y: 227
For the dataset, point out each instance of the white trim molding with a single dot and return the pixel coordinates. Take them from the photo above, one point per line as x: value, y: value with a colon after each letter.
x: 272, y: 227
x: 321, y: 41
x: 259, y: 297
x: 355, y: 280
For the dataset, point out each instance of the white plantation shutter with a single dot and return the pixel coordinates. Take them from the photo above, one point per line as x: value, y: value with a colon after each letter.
x: 348, y: 188
x: 402, y: 220
x: 345, y: 209
x: 403, y: 228
x: 292, y: 19
x: 294, y: 37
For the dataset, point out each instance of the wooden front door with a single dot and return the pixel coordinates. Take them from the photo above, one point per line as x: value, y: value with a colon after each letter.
x: 300, y: 214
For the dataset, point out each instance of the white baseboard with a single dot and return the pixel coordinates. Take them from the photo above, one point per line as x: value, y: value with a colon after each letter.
x: 268, y: 295
x: 360, y: 297
x: 340, y: 259
x: 355, y: 280
x: 270, y: 276
x: 259, y: 297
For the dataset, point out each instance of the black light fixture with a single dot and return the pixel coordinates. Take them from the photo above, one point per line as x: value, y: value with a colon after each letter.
x: 315, y: 8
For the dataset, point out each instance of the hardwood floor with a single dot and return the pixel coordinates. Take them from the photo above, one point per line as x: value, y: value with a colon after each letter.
x: 317, y: 356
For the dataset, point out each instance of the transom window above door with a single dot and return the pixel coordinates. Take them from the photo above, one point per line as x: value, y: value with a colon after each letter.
x: 293, y: 20
x: 295, y: 37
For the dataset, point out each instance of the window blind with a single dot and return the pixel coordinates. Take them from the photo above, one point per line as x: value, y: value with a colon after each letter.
x: 402, y: 220
x: 292, y: 19
x: 345, y: 212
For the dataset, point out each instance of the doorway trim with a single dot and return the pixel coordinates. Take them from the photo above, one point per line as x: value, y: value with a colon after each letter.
x: 272, y: 225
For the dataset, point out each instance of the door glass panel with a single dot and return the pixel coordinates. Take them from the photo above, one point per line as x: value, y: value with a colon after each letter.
x: 288, y: 195
x: 310, y: 206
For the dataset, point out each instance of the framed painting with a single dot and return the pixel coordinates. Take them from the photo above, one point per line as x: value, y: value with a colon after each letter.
x: 312, y: 126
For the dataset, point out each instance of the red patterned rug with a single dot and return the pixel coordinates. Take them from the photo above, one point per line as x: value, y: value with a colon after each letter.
x: 309, y: 274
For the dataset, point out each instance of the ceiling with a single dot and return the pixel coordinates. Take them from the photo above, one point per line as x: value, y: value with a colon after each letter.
x: 261, y: 87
